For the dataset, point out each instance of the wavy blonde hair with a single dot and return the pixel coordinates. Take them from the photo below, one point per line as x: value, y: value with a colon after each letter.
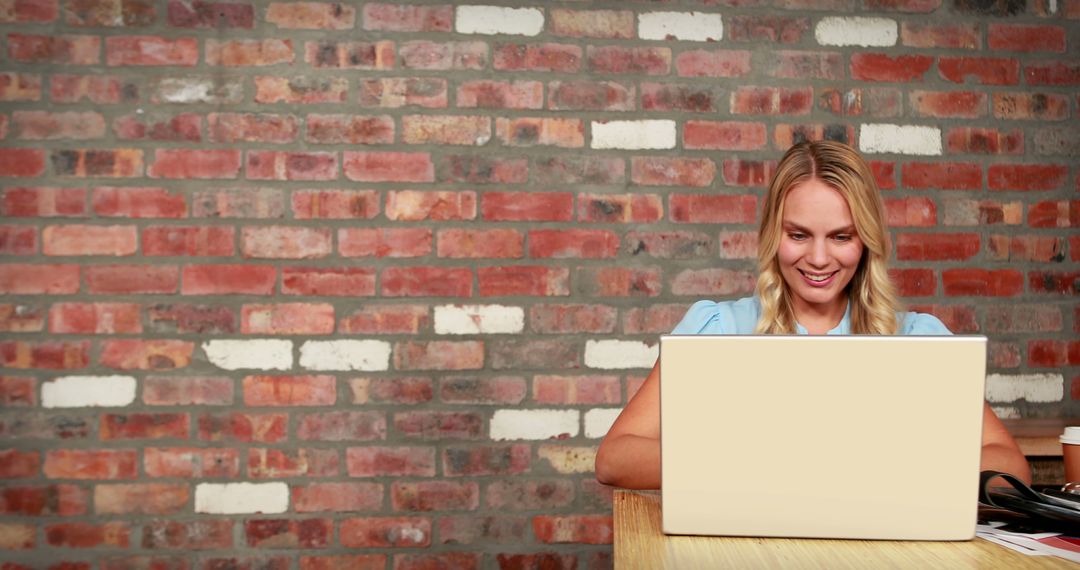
x: 871, y: 293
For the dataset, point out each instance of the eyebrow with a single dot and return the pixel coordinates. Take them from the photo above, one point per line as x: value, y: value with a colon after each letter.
x: 848, y: 229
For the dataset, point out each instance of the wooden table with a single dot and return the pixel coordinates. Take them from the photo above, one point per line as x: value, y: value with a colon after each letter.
x: 639, y: 543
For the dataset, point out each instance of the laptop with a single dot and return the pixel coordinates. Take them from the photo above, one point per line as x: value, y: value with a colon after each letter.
x: 860, y: 437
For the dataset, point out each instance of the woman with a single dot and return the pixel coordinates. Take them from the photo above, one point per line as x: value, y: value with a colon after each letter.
x: 822, y: 262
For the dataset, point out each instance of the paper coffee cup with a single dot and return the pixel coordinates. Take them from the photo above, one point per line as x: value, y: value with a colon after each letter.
x: 1070, y: 447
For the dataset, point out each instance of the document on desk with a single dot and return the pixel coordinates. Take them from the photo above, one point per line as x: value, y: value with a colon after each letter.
x: 1031, y: 544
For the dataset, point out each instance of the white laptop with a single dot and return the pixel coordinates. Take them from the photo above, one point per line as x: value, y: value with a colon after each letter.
x: 864, y: 437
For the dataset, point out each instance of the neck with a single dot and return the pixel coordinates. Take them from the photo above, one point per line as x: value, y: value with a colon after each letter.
x: 819, y: 318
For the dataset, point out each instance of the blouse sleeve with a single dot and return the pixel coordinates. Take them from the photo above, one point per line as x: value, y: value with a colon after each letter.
x: 704, y: 316
x: 924, y: 324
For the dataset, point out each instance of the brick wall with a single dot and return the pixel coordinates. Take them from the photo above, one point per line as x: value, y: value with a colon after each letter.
x: 316, y: 285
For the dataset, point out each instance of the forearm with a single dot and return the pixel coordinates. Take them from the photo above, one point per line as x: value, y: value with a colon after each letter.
x: 629, y: 461
x: 1007, y: 459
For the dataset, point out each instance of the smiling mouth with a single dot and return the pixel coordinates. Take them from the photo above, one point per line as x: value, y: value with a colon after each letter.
x: 818, y: 277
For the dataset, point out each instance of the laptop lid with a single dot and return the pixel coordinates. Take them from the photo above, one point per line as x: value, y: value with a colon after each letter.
x: 870, y: 437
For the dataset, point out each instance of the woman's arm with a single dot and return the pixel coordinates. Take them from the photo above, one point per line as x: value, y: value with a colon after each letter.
x: 999, y: 449
x: 629, y: 455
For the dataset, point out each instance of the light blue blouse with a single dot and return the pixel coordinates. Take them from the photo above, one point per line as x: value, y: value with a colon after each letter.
x: 740, y: 317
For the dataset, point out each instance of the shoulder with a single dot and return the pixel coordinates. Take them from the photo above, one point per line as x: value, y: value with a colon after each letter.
x: 723, y: 317
x: 921, y: 324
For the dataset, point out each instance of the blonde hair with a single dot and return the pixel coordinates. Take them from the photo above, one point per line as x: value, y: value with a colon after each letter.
x: 871, y: 293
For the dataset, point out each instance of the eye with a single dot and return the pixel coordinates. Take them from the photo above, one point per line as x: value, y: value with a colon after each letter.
x: 797, y: 236
x: 842, y: 237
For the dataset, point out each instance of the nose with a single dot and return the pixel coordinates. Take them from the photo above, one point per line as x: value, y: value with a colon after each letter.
x: 818, y: 256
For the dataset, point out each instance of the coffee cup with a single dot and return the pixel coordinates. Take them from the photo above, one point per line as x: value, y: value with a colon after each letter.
x: 1070, y: 446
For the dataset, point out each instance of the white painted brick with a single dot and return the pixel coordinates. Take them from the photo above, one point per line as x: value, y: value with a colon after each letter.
x: 241, y: 498
x: 197, y: 90
x: 1035, y: 388
x: 499, y: 20
x: 534, y: 424
x: 900, y: 139
x: 569, y: 459
x: 856, y: 31
x: 83, y: 391
x: 345, y: 355
x: 618, y: 354
x: 688, y: 26
x: 654, y: 134
x: 1006, y: 412
x: 598, y: 421
x: 256, y: 354
x: 478, y: 319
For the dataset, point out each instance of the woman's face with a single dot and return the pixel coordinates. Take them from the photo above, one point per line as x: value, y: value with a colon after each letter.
x: 819, y: 248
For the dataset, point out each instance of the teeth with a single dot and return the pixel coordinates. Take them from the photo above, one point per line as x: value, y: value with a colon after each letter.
x: 817, y: 277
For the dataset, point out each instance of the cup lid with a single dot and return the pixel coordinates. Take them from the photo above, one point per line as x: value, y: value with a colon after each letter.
x: 1071, y: 435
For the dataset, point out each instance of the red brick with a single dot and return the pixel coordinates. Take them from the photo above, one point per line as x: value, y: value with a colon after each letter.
x: 671, y: 97
x: 391, y: 461
x: 1047, y: 353
x: 143, y: 426
x: 588, y: 390
x: 148, y: 354
x: 57, y: 49
x: 282, y: 165
x: 203, y: 534
x: 456, y: 560
x: 21, y: 162
x: 185, y: 127
x: 1052, y: 73
x: 328, y: 281
x: 590, y: 95
x: 427, y: 282
x: 727, y: 135
x: 389, y: 166
x: 192, y: 318
x: 228, y: 279
x: 1054, y: 214
x: 138, y: 202
x: 547, y: 560
x: 620, y: 208
x: 785, y: 136
x: 984, y: 70
x: 311, y: 16
x: 337, y: 497
x: 579, y: 529
x: 445, y: 130
x: 282, y: 533
x: 1023, y: 319
x: 936, y: 246
x: 580, y: 243
x: 941, y: 35
x: 618, y: 281
x: 88, y: 535
x: 563, y: 58
x: 45, y: 354
x: 188, y: 164
x: 287, y: 318
x: 89, y: 240
x: 392, y: 390
x: 285, y: 242
x: 1026, y: 177
x: 342, y: 426
x: 43, y: 202
x: 944, y: 175
x: 766, y: 28
x: 706, y: 208
x: 279, y: 463
x: 187, y: 391
x: 942, y: 104
x: 99, y: 89
x: 310, y: 390
x: 344, y: 562
x: 466, y: 243
x: 712, y: 282
x: 395, y: 18
x: 982, y: 282
x: 500, y: 94
x: 439, y: 355
x: 1044, y: 249
x: 29, y: 11
x: 250, y: 127
x: 655, y: 319
x: 249, y: 53
x: 738, y: 172
x: 492, y: 529
x: 414, y: 205
x: 328, y: 54
x: 425, y: 496
x: 16, y: 317
x: 531, y: 280
x: 670, y: 245
x: 146, y: 498
x: 1043, y: 106
x: 635, y: 60
x: 1026, y: 38
x: 665, y: 171
x: 909, y: 6
x: 386, y: 319
x: 386, y: 532
x: 91, y: 464
x: 302, y: 90
x: 580, y: 170
x: 974, y: 140
x: 527, y: 206
x: 384, y: 242
x: 873, y: 102
x: 188, y: 241
x: 243, y: 427
x: 914, y: 282
x: 18, y: 240
x: 772, y: 101
x: 443, y: 56
x: 1054, y: 282
x: 132, y: 279
x: 16, y: 536
x: 559, y: 132
x: 21, y: 86
x: 17, y: 464
x: 350, y: 129
x: 882, y: 67
x: 910, y: 212
x: 43, y: 125
x: 541, y: 354
x: 109, y: 13
x: 94, y: 318
x: 707, y: 63
x: 151, y: 50
x: 18, y: 391
x: 62, y: 500
x: 335, y: 204
x: 210, y: 14
x: 515, y: 493
x: 473, y: 390
x: 389, y: 93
